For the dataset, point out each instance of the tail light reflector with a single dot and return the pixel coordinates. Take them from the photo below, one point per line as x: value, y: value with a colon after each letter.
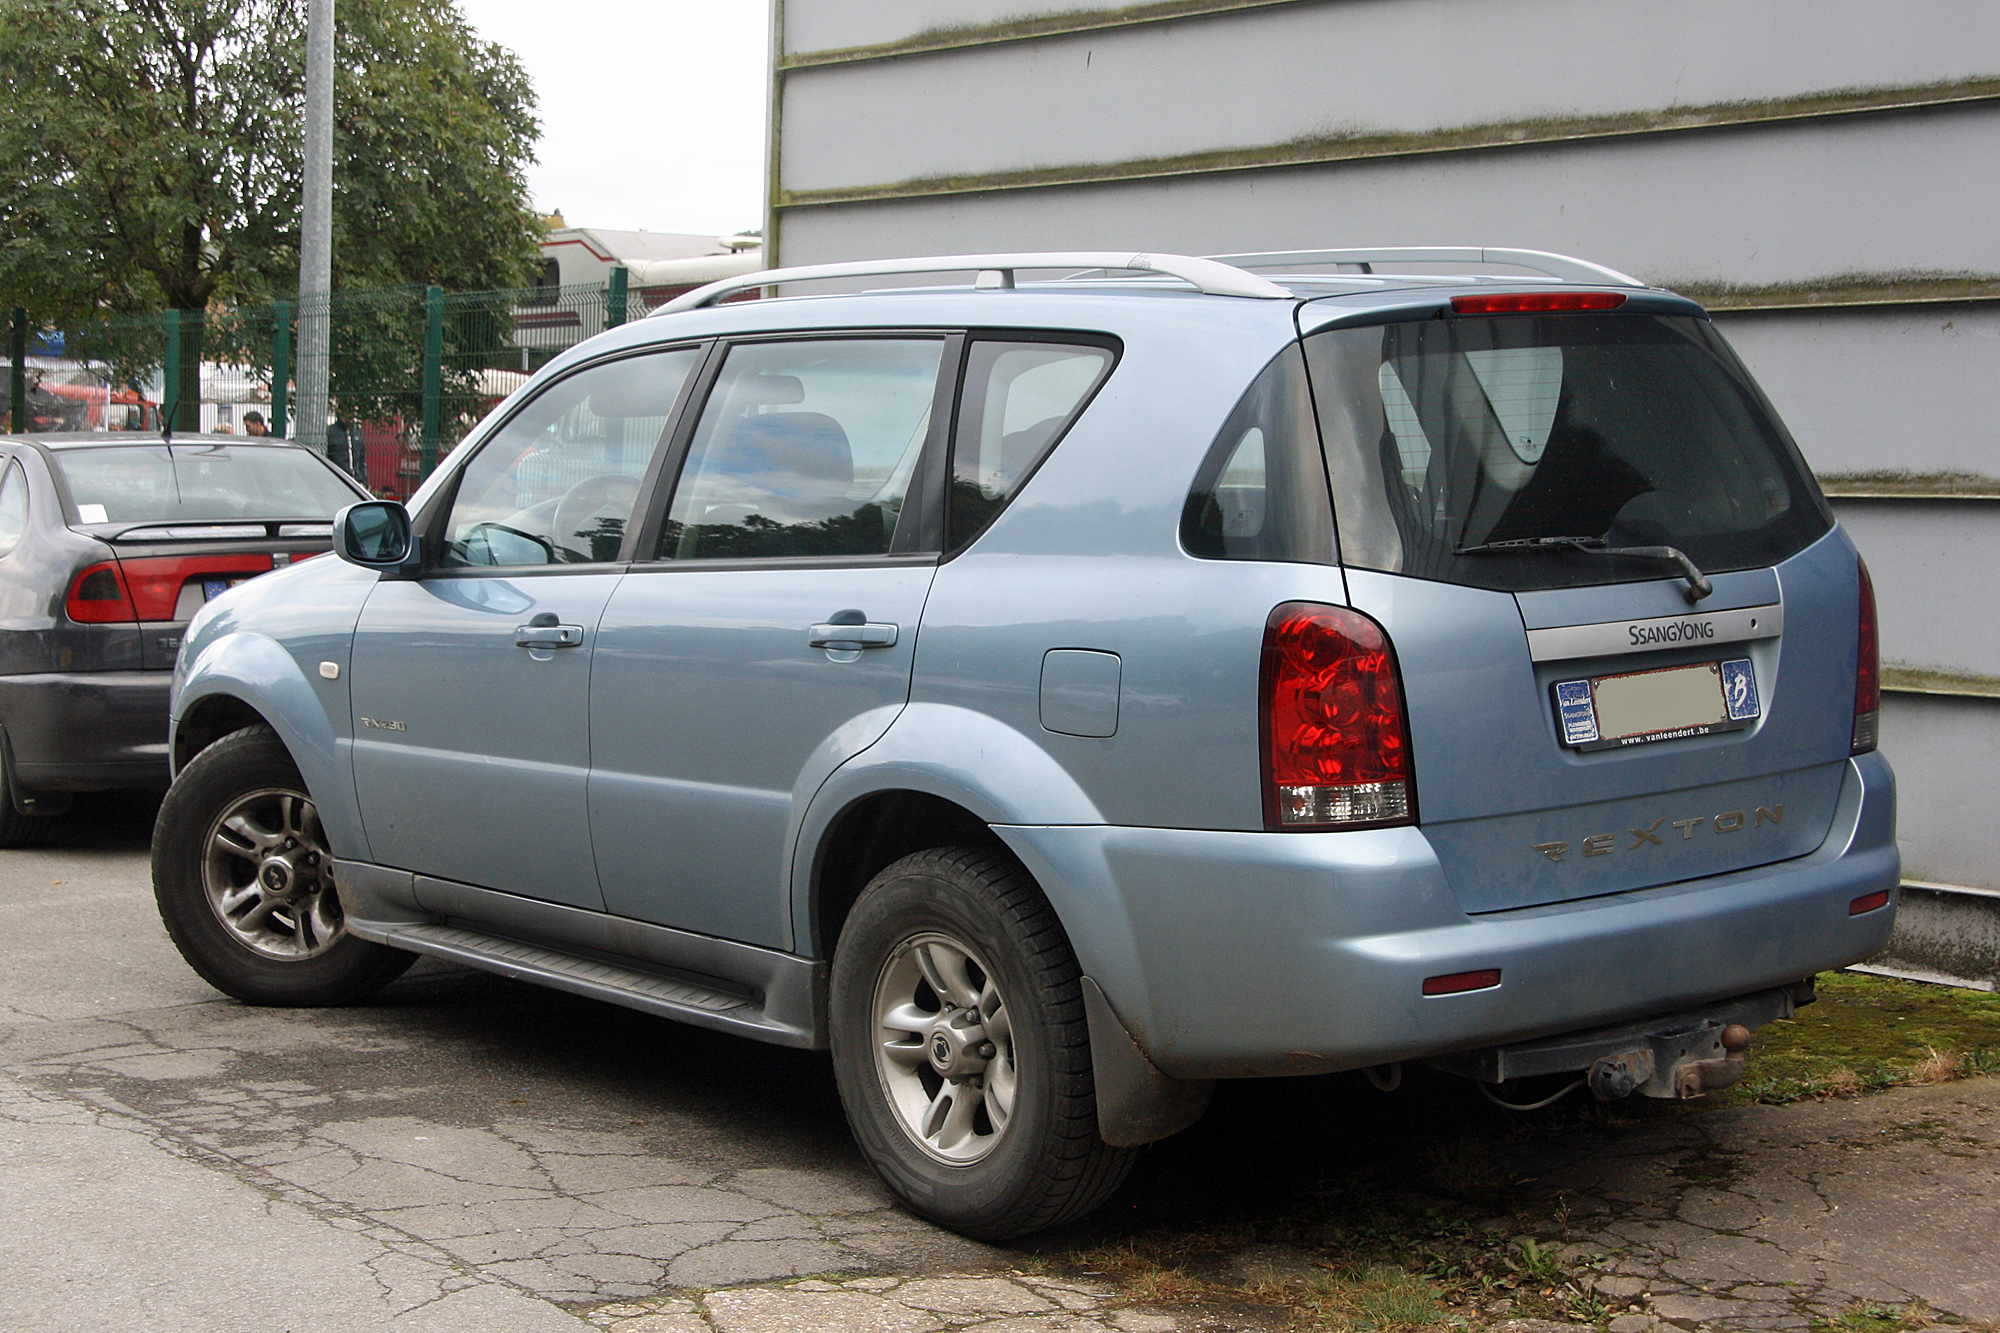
x: 1867, y: 672
x: 1336, y: 741
x: 1524, y: 303
x: 1458, y: 983
x: 98, y: 596
x: 1868, y: 902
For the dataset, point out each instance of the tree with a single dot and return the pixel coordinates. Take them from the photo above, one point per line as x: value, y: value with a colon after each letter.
x: 150, y: 153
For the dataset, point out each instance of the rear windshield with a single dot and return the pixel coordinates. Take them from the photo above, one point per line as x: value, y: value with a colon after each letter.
x: 1636, y: 430
x: 199, y: 483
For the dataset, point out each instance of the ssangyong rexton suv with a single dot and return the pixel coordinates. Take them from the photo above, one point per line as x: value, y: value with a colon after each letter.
x: 1055, y: 696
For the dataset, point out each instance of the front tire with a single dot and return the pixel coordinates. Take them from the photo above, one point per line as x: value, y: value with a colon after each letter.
x: 961, y: 1048
x: 244, y: 881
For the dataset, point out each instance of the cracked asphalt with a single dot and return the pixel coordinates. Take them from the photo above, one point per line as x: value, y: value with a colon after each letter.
x: 469, y: 1153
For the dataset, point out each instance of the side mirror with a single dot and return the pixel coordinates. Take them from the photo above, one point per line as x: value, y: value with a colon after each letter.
x: 376, y: 534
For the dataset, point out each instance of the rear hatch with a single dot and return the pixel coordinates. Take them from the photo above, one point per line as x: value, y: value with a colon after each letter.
x: 1584, y: 722
x: 188, y: 522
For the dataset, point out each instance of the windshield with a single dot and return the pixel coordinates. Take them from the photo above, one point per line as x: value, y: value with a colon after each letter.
x: 1639, y: 430
x: 199, y: 483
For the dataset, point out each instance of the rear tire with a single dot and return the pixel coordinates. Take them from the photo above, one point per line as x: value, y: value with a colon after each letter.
x: 961, y: 1048
x: 244, y: 881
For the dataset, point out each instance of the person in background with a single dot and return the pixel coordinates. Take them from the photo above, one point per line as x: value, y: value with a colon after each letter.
x: 253, y: 423
x: 340, y: 445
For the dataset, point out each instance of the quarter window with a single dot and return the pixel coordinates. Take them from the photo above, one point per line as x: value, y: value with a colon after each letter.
x: 1019, y: 398
x: 1261, y: 493
x: 805, y: 449
x: 556, y: 484
x: 13, y: 508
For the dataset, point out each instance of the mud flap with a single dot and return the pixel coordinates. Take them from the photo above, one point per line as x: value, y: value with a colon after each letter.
x: 1136, y: 1103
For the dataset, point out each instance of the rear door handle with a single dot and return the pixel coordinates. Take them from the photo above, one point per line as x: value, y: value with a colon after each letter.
x: 548, y: 636
x: 851, y: 636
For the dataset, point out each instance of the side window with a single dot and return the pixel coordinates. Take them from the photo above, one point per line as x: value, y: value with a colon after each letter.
x: 1019, y: 398
x: 13, y: 507
x: 1261, y: 493
x: 804, y: 448
x: 557, y: 483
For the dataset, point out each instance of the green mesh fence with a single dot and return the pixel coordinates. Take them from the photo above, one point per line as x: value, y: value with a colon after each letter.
x: 410, y: 370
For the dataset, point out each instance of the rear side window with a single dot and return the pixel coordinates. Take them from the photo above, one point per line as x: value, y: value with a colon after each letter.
x: 1261, y: 492
x: 805, y: 449
x: 1019, y: 398
x: 1633, y: 430
x: 13, y: 507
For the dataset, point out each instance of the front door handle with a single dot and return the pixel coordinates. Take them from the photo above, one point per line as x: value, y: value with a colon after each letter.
x: 548, y: 636
x: 863, y: 635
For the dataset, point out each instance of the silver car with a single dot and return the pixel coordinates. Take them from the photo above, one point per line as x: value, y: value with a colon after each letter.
x: 1055, y: 696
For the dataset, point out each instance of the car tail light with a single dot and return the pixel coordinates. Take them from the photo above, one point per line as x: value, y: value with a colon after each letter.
x: 149, y: 588
x: 1523, y: 303
x: 1867, y: 672
x: 98, y: 596
x: 1336, y: 742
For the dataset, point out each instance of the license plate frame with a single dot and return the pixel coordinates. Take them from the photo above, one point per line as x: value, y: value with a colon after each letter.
x: 1621, y: 709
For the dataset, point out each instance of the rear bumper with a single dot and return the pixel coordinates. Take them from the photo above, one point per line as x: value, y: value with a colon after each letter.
x: 1251, y: 954
x: 88, y: 730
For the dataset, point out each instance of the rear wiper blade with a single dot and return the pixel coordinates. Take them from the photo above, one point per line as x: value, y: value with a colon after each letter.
x: 1698, y: 584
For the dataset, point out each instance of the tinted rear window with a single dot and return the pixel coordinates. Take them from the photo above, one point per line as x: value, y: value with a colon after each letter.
x: 199, y: 483
x: 1641, y: 430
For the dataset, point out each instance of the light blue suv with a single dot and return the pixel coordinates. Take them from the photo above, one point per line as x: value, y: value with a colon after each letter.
x: 1054, y: 696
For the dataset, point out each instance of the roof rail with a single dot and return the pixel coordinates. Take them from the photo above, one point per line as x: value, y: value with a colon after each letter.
x: 996, y: 272
x: 1541, y: 261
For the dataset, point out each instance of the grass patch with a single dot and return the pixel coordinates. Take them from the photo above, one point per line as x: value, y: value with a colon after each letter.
x: 1866, y: 1034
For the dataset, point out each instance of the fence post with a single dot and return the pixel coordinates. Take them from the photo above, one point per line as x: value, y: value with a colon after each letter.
x: 17, y: 377
x: 433, y: 373
x: 170, y: 375
x: 281, y: 365
x: 614, y: 300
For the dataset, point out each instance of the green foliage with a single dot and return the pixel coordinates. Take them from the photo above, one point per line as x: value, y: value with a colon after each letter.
x: 1865, y: 1034
x: 150, y: 157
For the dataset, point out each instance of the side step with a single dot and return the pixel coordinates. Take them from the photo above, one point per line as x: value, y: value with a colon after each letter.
x: 669, y: 997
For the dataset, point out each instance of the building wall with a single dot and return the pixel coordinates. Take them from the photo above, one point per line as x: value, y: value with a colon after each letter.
x: 1817, y: 171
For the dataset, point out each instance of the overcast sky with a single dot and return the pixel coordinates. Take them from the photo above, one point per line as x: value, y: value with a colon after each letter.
x: 652, y: 110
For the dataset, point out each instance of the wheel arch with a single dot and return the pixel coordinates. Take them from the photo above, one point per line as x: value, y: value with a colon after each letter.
x: 245, y: 679
x: 941, y: 767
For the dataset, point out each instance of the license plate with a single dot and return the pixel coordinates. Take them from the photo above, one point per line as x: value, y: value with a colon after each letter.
x: 214, y: 588
x: 1667, y: 703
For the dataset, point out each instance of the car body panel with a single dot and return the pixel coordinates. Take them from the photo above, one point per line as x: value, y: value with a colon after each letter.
x: 713, y: 720
x: 1344, y: 927
x: 471, y: 753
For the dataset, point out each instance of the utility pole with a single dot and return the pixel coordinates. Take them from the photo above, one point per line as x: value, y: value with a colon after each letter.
x: 316, y: 232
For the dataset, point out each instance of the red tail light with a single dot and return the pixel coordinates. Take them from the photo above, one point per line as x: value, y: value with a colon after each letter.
x: 98, y: 596
x: 148, y: 589
x: 1867, y: 672
x: 1525, y: 303
x: 1336, y: 742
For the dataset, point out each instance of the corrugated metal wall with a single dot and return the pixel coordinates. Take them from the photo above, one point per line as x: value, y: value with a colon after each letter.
x: 1821, y: 172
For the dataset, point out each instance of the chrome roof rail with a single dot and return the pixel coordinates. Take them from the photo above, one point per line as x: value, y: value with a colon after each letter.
x: 1562, y: 267
x: 996, y: 272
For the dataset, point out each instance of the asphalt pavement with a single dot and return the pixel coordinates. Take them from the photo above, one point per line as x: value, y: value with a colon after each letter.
x: 465, y: 1152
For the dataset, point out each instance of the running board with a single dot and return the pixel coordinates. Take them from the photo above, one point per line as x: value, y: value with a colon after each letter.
x: 669, y: 997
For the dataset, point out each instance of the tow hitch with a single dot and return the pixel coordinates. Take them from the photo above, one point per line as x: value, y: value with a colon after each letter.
x: 1692, y: 1069
x: 1675, y: 1056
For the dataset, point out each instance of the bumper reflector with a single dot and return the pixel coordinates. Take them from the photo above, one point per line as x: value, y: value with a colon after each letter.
x: 1457, y: 983
x: 1868, y: 902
